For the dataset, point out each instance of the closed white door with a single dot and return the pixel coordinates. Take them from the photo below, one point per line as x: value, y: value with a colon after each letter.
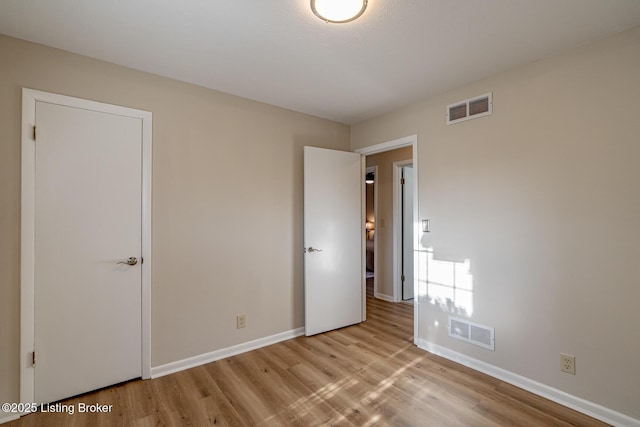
x: 407, y: 232
x: 333, y: 238
x: 87, y: 220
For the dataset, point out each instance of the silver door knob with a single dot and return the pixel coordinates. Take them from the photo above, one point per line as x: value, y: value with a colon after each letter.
x: 312, y: 249
x: 130, y: 261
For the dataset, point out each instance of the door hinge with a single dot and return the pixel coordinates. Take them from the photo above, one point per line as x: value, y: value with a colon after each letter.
x: 33, y: 358
x: 402, y: 277
x: 402, y: 181
x: 34, y: 133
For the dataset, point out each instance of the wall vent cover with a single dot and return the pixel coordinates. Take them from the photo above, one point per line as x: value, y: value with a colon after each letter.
x: 471, y: 108
x: 473, y: 333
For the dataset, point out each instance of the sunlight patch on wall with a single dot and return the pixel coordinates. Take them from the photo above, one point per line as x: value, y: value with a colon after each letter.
x: 448, y: 284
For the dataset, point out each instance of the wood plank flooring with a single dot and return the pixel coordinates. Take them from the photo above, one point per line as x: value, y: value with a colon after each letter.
x: 363, y: 375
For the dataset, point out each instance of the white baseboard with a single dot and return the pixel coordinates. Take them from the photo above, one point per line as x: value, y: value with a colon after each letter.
x: 201, y: 359
x: 594, y: 410
x: 384, y: 297
x: 7, y: 418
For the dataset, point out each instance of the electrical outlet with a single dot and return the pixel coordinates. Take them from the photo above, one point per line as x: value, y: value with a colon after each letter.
x: 241, y: 321
x: 568, y: 363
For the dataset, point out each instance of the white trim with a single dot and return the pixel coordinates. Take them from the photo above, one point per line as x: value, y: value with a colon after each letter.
x: 147, y: 179
x: 9, y: 418
x: 27, y: 247
x: 27, y: 252
x: 579, y: 404
x: 202, y: 359
x: 397, y: 228
x: 407, y: 141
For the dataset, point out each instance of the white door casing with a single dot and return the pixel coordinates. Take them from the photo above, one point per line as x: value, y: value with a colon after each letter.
x: 86, y: 206
x: 333, y: 239
x: 407, y: 233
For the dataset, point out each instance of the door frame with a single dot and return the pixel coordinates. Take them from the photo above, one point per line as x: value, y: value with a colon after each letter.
x: 397, y: 228
x: 27, y: 233
x: 407, y: 141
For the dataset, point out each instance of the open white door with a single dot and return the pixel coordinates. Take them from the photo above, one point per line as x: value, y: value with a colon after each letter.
x: 333, y: 236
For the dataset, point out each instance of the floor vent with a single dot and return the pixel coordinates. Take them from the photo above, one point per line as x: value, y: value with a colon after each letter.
x: 480, y: 335
x: 472, y: 108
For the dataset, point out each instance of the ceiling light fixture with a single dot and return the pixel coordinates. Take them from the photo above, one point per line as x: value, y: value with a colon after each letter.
x: 369, y: 178
x: 338, y: 11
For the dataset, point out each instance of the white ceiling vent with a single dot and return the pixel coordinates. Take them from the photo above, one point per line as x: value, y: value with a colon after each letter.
x: 468, y: 109
x: 473, y: 333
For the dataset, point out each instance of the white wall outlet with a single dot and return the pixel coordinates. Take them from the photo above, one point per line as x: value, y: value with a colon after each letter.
x: 241, y: 321
x: 568, y: 363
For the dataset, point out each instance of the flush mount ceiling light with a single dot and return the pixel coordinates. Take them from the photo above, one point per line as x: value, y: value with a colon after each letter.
x: 338, y: 11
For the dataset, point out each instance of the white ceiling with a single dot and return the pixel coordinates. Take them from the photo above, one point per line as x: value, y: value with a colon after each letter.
x: 278, y: 52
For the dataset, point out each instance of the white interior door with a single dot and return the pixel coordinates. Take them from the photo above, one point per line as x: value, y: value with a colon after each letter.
x: 333, y: 237
x: 407, y: 233
x: 87, y: 219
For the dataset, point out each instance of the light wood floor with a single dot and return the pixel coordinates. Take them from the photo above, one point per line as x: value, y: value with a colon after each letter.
x: 368, y: 374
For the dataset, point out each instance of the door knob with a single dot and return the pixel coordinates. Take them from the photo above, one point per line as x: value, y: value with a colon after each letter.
x: 311, y: 249
x: 130, y: 261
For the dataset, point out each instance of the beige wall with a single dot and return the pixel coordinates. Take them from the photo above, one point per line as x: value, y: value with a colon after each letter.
x: 542, y: 198
x: 227, y: 202
x: 384, y: 220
